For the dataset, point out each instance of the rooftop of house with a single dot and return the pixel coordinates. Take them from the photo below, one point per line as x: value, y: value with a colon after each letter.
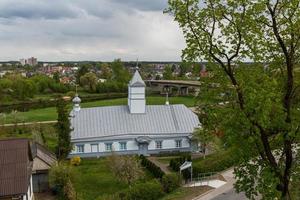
x: 15, y: 165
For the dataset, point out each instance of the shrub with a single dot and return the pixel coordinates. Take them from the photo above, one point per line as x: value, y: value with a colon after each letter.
x: 170, y: 182
x: 153, y: 169
x: 175, y: 163
x: 151, y: 190
x: 60, y: 181
x: 75, y: 161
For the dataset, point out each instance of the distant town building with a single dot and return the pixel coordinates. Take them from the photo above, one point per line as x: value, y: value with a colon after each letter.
x: 23, y: 61
x: 30, y: 61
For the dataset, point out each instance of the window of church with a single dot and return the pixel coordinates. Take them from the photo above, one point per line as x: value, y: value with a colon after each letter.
x: 108, y: 146
x: 80, y: 148
x: 178, y: 143
x: 158, y: 144
x: 94, y: 147
x: 123, y: 146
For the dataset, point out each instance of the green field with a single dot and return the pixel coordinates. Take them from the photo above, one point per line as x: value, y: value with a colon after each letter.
x: 49, y: 114
x: 93, y: 178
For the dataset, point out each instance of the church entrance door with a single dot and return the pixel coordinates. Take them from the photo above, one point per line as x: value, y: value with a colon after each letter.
x: 143, y: 149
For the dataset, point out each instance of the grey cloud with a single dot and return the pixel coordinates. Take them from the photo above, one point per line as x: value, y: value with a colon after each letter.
x: 144, y: 5
x: 30, y: 9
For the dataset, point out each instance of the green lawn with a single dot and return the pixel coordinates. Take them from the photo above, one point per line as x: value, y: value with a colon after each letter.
x: 93, y: 178
x: 48, y: 114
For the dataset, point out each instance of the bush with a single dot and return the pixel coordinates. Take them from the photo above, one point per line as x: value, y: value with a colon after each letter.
x: 60, y: 181
x: 75, y: 161
x: 151, y: 190
x: 175, y: 163
x: 153, y: 169
x: 170, y: 182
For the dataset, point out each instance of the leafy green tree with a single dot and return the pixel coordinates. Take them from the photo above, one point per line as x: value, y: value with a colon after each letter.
x: 63, y: 128
x: 106, y: 72
x: 56, y: 77
x: 168, y: 75
x: 119, y: 72
x: 89, y: 81
x: 254, y: 105
x: 204, y: 136
x: 83, y: 69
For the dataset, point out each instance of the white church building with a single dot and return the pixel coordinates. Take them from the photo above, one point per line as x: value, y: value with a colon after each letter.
x: 136, y: 128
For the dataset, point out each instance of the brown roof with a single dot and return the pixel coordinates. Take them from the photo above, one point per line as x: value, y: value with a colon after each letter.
x: 41, y: 152
x: 15, y: 165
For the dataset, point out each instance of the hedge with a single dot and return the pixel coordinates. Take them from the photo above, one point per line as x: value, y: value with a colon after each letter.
x: 175, y: 163
x: 216, y: 162
x: 44, y: 103
x: 170, y: 182
x: 153, y: 169
x: 151, y: 190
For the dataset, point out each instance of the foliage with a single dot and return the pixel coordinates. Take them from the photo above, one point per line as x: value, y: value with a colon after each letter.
x: 119, y: 72
x: 175, y: 163
x: 170, y: 182
x: 60, y: 181
x: 89, y: 81
x: 151, y: 190
x: 204, y: 136
x: 253, y: 105
x: 168, y: 74
x: 75, y: 161
x: 125, y: 168
x: 111, y: 86
x: 63, y: 130
x: 155, y: 170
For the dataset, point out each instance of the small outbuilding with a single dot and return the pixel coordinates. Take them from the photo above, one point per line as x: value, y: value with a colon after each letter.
x: 43, y: 159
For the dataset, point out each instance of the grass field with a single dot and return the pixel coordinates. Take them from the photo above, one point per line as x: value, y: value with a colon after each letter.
x: 49, y: 114
x: 93, y: 179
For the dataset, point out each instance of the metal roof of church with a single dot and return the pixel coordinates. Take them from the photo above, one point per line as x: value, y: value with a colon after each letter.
x: 137, y: 80
x: 117, y: 120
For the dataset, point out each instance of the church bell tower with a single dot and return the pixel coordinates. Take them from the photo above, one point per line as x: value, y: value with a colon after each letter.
x: 136, y: 94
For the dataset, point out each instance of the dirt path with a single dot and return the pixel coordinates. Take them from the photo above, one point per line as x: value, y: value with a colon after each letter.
x: 162, y: 166
x: 29, y: 123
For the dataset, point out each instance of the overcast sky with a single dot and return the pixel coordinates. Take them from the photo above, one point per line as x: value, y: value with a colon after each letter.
x: 54, y: 30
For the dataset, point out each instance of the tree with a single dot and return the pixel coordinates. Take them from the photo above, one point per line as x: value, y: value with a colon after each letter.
x: 125, y: 168
x: 89, y: 81
x: 259, y: 113
x: 83, y: 69
x: 204, y: 136
x: 63, y: 128
x: 119, y: 72
x: 105, y: 71
x: 60, y: 176
x: 56, y: 77
x: 167, y: 75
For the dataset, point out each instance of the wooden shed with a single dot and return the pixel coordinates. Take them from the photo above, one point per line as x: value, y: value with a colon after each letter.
x: 43, y: 159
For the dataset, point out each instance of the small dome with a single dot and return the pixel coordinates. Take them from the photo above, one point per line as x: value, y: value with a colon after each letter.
x: 76, y: 100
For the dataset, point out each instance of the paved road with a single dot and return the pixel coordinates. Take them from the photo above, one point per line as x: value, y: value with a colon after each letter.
x: 231, y: 195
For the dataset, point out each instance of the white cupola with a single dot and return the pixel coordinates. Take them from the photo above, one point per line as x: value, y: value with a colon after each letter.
x: 76, y: 101
x: 136, y: 94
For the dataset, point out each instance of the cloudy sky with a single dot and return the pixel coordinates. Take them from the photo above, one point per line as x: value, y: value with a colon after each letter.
x: 54, y: 30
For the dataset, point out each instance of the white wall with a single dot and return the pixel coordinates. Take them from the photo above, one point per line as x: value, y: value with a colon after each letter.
x: 29, y: 191
x: 132, y: 145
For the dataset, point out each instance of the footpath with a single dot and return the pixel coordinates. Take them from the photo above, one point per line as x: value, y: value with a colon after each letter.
x: 224, y: 192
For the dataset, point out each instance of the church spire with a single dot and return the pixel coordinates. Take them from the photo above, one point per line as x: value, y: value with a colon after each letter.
x: 76, y: 101
x: 136, y: 94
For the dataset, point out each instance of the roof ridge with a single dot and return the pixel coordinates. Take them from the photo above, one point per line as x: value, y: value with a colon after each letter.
x: 174, y: 117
